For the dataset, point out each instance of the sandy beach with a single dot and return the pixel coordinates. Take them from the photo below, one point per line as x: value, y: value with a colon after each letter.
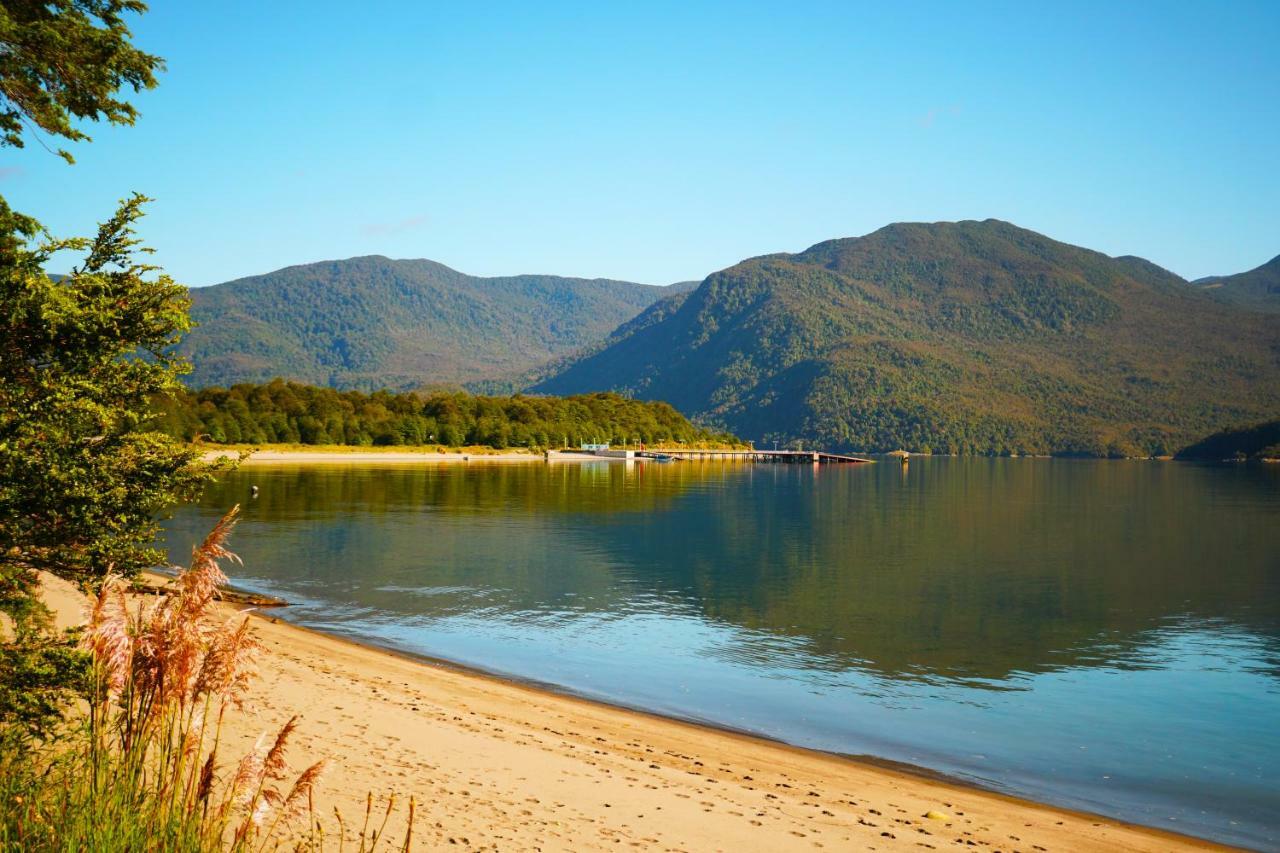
x: 496, y: 765
x: 293, y: 456
x: 365, y: 456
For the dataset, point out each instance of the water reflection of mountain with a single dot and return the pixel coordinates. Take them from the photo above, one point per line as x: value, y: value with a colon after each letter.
x: 979, y: 568
x: 969, y: 569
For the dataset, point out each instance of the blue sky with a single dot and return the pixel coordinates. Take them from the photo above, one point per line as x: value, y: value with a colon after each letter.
x: 658, y: 142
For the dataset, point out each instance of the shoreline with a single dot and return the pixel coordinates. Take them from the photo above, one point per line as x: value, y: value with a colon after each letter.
x: 237, y: 605
x: 496, y: 762
x: 364, y: 456
x: 1085, y: 830
x: 343, y: 454
x: 863, y: 762
x: 270, y: 456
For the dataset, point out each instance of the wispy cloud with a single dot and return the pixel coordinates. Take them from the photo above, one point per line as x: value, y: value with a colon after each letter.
x: 382, y: 229
x: 930, y: 118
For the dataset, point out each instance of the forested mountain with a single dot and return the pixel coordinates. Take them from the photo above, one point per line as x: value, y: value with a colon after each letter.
x: 373, y: 322
x: 291, y: 413
x: 1258, y: 289
x: 976, y: 337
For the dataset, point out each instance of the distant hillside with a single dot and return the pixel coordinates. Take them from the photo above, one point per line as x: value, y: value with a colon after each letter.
x: 976, y: 337
x: 1257, y: 289
x: 373, y: 322
x: 1261, y: 441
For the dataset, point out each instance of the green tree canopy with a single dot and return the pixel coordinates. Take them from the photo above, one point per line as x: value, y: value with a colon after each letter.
x: 291, y: 413
x: 66, y: 60
x: 82, y: 476
x: 82, y: 473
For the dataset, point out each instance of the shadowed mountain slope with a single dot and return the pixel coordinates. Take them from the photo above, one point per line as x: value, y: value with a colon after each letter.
x: 1257, y: 289
x: 1260, y: 441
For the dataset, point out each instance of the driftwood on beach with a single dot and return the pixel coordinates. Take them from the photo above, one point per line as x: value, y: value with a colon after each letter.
x: 161, y: 585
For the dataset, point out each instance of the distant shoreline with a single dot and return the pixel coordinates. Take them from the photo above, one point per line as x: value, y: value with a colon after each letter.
x: 268, y: 456
x: 433, y: 454
x: 292, y: 454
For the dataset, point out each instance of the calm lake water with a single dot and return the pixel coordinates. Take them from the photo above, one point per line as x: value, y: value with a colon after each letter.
x: 1100, y: 635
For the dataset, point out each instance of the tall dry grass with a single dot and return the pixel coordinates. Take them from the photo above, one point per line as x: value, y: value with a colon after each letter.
x: 146, y: 770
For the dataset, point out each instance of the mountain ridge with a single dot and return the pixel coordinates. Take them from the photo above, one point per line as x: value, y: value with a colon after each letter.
x: 1257, y: 289
x: 373, y: 321
x: 970, y: 336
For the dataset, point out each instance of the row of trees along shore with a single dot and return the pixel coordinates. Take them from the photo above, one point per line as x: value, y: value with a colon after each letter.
x: 281, y: 412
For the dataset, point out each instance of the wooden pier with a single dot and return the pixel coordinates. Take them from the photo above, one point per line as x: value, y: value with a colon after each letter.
x: 788, y: 456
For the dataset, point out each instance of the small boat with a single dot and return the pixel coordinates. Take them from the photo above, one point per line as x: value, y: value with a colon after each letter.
x: 662, y: 457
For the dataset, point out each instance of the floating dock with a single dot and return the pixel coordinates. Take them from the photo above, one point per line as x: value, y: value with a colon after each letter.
x: 788, y: 456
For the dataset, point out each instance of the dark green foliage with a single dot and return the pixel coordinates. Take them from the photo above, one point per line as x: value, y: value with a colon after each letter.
x: 966, y: 337
x: 69, y: 380
x: 1258, y: 289
x: 1261, y: 441
x: 39, y: 673
x: 62, y: 60
x: 289, y: 413
x: 373, y: 322
x: 82, y: 477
